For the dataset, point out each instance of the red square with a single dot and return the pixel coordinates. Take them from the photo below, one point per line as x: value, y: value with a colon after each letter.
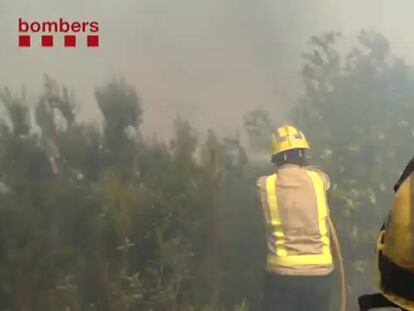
x: 47, y: 41
x: 70, y: 41
x: 24, y: 41
x: 93, y: 41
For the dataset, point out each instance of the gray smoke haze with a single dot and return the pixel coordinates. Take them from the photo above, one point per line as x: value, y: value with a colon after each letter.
x: 209, y: 61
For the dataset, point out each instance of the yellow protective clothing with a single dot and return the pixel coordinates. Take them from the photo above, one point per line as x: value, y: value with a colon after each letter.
x: 296, y: 214
x: 395, y: 248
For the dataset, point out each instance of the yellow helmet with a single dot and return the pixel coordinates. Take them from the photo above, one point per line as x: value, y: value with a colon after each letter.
x: 288, y: 137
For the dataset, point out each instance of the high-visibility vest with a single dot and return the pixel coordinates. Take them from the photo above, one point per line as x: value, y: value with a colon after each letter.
x: 300, y: 239
x: 395, y: 248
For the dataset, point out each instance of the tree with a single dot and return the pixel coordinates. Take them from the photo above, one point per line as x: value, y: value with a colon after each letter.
x: 258, y: 126
x: 122, y: 113
x: 356, y: 112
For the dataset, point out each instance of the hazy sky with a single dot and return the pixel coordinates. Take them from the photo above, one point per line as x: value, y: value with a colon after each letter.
x: 208, y: 60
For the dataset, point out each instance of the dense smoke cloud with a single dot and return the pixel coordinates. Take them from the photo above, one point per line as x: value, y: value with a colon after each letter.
x: 209, y: 61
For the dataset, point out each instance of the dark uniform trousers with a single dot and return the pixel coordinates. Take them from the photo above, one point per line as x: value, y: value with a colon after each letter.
x: 297, y: 293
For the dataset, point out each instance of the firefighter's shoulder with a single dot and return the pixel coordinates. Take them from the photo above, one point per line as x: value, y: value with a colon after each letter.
x: 261, y: 181
x: 324, y: 176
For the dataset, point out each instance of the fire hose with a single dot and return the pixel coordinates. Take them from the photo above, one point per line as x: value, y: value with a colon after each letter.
x: 340, y: 261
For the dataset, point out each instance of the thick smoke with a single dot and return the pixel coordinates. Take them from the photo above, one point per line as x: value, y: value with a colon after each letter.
x: 208, y: 61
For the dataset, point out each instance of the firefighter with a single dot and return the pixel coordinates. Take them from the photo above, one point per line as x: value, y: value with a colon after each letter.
x: 395, y: 250
x: 294, y: 201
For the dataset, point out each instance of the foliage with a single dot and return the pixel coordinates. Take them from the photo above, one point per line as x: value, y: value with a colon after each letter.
x: 95, y: 220
x: 358, y: 110
x: 106, y: 219
x: 258, y: 126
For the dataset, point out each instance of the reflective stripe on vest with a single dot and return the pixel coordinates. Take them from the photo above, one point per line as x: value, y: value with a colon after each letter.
x: 282, y: 257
